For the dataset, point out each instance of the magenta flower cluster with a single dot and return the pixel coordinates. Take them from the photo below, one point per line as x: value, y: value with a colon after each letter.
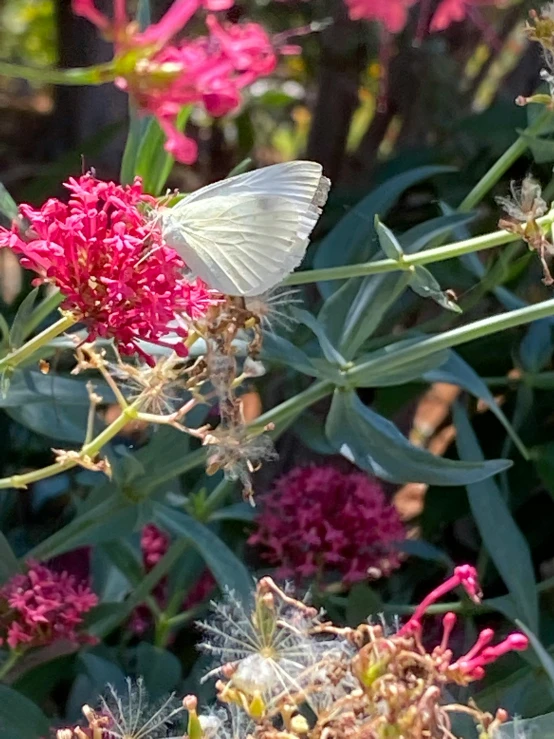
x: 107, y: 257
x: 320, y: 521
x: 43, y: 606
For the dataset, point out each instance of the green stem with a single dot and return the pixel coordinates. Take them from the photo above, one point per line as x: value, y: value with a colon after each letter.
x: 454, y: 337
x: 88, y: 450
x: 42, y: 311
x: 13, y: 359
x: 408, y: 261
x: 96, y: 75
x: 502, y: 165
x: 9, y: 663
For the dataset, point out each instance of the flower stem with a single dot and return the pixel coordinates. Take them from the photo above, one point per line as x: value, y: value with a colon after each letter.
x: 9, y: 663
x: 408, y: 261
x: 88, y: 450
x: 502, y: 165
x: 16, y: 357
x: 95, y: 75
x: 454, y: 337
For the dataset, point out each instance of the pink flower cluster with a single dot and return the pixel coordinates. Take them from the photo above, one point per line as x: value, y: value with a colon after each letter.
x: 154, y: 543
x: 108, y: 259
x: 209, y: 70
x: 319, y: 520
x: 470, y: 666
x: 43, y: 606
x: 393, y: 14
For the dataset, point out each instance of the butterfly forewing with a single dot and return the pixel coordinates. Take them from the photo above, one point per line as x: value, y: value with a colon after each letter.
x: 243, y: 235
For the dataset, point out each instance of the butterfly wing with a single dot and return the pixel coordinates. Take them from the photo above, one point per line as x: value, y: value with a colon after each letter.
x: 243, y: 235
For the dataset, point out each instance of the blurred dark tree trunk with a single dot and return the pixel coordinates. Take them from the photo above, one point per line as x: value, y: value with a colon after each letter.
x: 82, y: 113
x: 343, y: 56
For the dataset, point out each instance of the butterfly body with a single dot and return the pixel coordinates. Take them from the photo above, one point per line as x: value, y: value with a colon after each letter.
x: 245, y: 234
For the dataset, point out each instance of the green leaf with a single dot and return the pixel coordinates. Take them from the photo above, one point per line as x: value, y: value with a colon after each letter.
x: 540, y: 727
x: 363, y: 602
x: 332, y: 355
x: 236, y: 512
x: 20, y: 718
x: 544, y: 657
x: 376, y: 445
x: 227, y: 569
x: 109, y: 520
x: 160, y: 669
x: 352, y: 313
x: 352, y: 237
x: 541, y: 148
x: 502, y: 538
x: 535, y: 350
x: 423, y: 283
x: 419, y: 368
x: 424, y: 550
x: 276, y: 348
x: 241, y: 167
x: 153, y: 162
x: 8, y: 206
x: 388, y: 241
x: 9, y: 565
x: 17, y: 331
x: 458, y: 372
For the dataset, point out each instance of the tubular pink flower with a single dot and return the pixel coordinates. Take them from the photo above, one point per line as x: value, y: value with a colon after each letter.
x: 43, y: 606
x: 319, y: 519
x: 209, y: 70
x: 393, y: 14
x: 472, y: 664
x: 107, y: 256
x: 465, y: 575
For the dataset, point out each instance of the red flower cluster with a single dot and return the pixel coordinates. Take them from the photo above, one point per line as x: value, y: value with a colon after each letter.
x: 41, y: 607
x: 154, y: 543
x: 209, y: 70
x: 107, y: 257
x: 321, y: 520
x: 471, y: 665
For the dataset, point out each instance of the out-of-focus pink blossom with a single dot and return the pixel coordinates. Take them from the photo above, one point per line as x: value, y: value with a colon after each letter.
x: 322, y: 520
x: 43, y: 606
x: 163, y: 77
x: 108, y: 259
x: 452, y: 11
x: 393, y: 14
x: 154, y: 544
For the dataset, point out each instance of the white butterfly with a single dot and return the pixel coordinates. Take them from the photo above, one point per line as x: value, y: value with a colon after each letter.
x: 245, y: 234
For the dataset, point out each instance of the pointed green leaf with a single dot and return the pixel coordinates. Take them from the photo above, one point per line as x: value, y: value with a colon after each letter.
x: 423, y: 283
x: 8, y: 206
x: 501, y: 536
x: 388, y: 241
x: 544, y: 657
x: 9, y: 565
x: 332, y: 355
x: 352, y: 237
x: 227, y: 569
x: 376, y: 445
x: 17, y: 330
x: 20, y: 718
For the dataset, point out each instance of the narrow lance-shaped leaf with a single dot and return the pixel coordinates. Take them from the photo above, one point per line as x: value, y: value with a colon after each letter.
x: 227, y: 569
x: 376, y: 445
x: 501, y: 536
